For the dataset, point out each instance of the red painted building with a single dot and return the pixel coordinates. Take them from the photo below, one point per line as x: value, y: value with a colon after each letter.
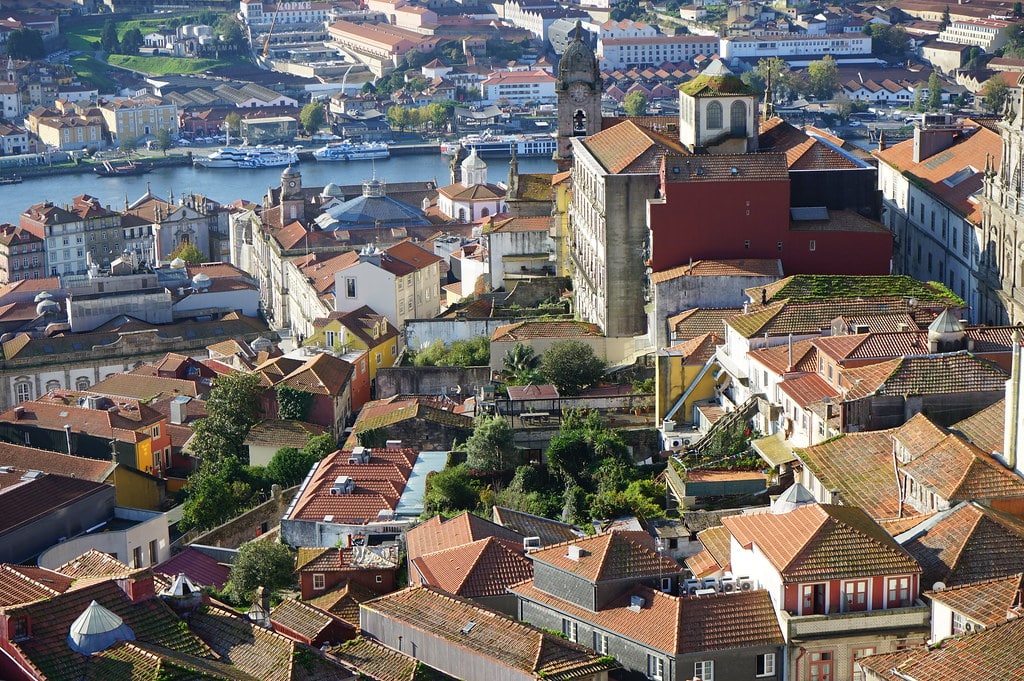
x: 737, y: 206
x: 321, y: 570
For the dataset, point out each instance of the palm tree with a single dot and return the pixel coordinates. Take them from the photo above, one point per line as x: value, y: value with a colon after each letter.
x: 520, y: 366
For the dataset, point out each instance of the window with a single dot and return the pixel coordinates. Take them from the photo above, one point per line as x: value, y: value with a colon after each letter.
x: 23, y: 392
x: 655, y: 667
x: 813, y: 599
x: 705, y: 670
x: 766, y: 664
x: 570, y: 629
x: 350, y: 287
x: 820, y: 666
x: 738, y: 119
x: 378, y: 579
x: 899, y: 592
x: 52, y: 385
x: 959, y: 623
x: 319, y: 583
x: 812, y: 245
x: 153, y: 552
x: 856, y: 673
x: 81, y: 383
x: 330, y: 339
x: 379, y: 359
x: 601, y: 642
x: 778, y: 245
x: 855, y: 596
x: 714, y: 116
x: 137, y: 557
x: 20, y: 628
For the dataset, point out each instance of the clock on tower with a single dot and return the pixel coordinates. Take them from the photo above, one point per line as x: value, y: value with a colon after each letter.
x: 578, y: 90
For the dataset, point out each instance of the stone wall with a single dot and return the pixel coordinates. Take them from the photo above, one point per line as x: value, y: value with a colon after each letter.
x: 430, y: 381
x: 249, y: 525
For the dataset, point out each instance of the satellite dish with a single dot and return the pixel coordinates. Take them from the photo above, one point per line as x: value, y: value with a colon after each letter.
x: 939, y: 586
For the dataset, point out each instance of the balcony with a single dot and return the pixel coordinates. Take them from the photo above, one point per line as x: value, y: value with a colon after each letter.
x: 916, y: 616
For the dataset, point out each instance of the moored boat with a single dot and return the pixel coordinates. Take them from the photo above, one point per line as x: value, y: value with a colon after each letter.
x: 352, y: 151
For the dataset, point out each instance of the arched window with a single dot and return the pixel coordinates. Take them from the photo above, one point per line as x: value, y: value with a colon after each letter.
x: 462, y: 215
x: 738, y: 119
x: 714, y: 116
x: 22, y: 391
x: 52, y: 385
x: 485, y: 212
x: 81, y: 383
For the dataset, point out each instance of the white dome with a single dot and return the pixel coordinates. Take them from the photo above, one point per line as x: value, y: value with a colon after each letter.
x: 474, y: 162
x: 177, y: 263
x: 201, y: 280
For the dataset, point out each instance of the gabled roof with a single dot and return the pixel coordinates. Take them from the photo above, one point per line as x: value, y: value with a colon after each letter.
x: 493, y: 635
x: 959, y: 372
x: 695, y: 351
x: 959, y: 471
x: 994, y: 654
x: 628, y: 148
x: 486, y: 567
x: 265, y: 654
x: 325, y: 374
x: 202, y: 569
x: 985, y: 429
x: 751, y: 267
x: 343, y: 601
x: 860, y: 466
x: 986, y: 602
x: 803, y: 152
x: 699, y: 321
x: 302, y: 618
x: 148, y: 661
x: 675, y: 625
x: 529, y: 525
x: 375, y: 661
x: 822, y: 542
x: 966, y: 544
x: 388, y: 412
x: 94, y: 563
x: 23, y: 458
x: 439, y: 533
x: 609, y: 556
x: 716, y: 554
x: 819, y: 287
x: 24, y: 584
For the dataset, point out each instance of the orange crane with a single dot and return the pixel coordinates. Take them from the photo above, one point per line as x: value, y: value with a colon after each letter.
x: 273, y: 22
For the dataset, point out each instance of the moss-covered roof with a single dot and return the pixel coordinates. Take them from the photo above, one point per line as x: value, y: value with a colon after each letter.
x: 716, y: 86
x: 815, y: 287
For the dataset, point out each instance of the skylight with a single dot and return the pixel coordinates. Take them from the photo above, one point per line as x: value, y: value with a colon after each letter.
x: 959, y: 176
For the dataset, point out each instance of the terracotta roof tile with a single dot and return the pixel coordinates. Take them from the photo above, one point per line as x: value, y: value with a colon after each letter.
x: 628, y: 148
x: 820, y: 287
x: 282, y: 433
x: 986, y: 602
x: 343, y: 601
x: 23, y: 584
x: 375, y: 661
x: 94, y: 563
x: 696, y: 351
x: 28, y: 458
x: 384, y: 413
x: 676, y: 625
x: 486, y: 567
x: 721, y: 268
x: 719, y: 168
x: 26, y: 503
x: 959, y: 471
x: 985, y: 429
x: 966, y: 544
x: 699, y: 321
x: 822, y: 542
x: 993, y: 654
x: 529, y: 330
x: 517, y: 645
x: 529, y: 525
x: 860, y: 466
x: 302, y: 618
x: 439, y: 533
x: 717, y: 542
x: 609, y: 556
x: 141, y: 387
x: 952, y: 373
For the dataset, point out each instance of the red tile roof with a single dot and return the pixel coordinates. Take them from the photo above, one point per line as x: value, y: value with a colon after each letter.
x: 822, y: 542
x: 24, y: 504
x: 959, y: 372
x: 529, y: 330
x: 696, y: 351
x: 994, y: 654
x: 675, y: 625
x: 202, y: 569
x: 325, y: 374
x: 439, y: 533
x: 28, y: 458
x: 959, y: 471
x: 609, y: 556
x: 698, y: 321
x: 24, y: 584
x: 304, y: 619
x: 378, y: 487
x: 985, y: 429
x: 722, y: 268
x: 486, y: 567
x: 94, y: 563
x: 495, y: 636
x: 987, y: 602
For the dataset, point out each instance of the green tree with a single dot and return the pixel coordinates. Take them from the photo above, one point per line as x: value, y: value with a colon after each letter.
x: 108, y: 38
x: 461, y: 353
x: 643, y: 498
x: 571, y: 366
x: 372, y: 438
x: 946, y: 19
x: 217, y: 491
x: 319, y: 446
x: 233, y: 123
x: 232, y: 409
x: 532, y: 490
x: 439, y: 114
x: 188, y: 252
x: 520, y: 365
x: 823, y: 77
x: 25, y: 43
x: 398, y: 117
x: 934, y: 92
x: 163, y: 141
x: 450, y: 491
x: 292, y: 404
x: 261, y: 563
x: 993, y: 94
x: 1014, y: 40
x: 635, y: 104
x: 230, y: 31
x: 889, y: 42
x: 843, y: 106
x: 368, y: 89
x: 289, y: 466
x: 1017, y: 11
x: 312, y: 117
x: 131, y: 41
x: 128, y: 145
x: 492, y: 446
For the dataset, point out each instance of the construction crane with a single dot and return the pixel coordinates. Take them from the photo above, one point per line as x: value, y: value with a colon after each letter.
x: 273, y: 22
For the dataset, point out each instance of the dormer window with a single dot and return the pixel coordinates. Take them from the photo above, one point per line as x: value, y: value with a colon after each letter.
x: 20, y: 629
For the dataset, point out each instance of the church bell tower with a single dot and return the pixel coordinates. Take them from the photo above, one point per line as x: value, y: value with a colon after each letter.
x: 578, y: 90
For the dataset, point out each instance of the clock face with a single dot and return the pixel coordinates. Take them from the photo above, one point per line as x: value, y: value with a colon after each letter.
x: 292, y: 184
x: 578, y: 92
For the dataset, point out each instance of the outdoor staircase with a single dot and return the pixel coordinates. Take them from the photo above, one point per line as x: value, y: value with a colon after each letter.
x: 741, y: 413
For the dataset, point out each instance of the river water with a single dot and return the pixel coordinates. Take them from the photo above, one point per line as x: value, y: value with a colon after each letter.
x: 227, y: 184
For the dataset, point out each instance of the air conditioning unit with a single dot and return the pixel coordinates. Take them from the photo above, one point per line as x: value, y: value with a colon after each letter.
x: 575, y: 552
x: 531, y: 543
x: 746, y: 584
x: 636, y: 602
x: 709, y: 583
x: 690, y: 584
x: 968, y: 626
x: 728, y: 585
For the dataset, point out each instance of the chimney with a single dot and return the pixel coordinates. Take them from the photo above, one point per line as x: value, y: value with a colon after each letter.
x: 19, y: 413
x: 1012, y: 405
x: 179, y: 409
x: 138, y: 586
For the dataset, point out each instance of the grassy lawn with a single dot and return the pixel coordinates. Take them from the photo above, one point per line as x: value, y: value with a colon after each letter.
x: 166, y: 65
x: 93, y: 71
